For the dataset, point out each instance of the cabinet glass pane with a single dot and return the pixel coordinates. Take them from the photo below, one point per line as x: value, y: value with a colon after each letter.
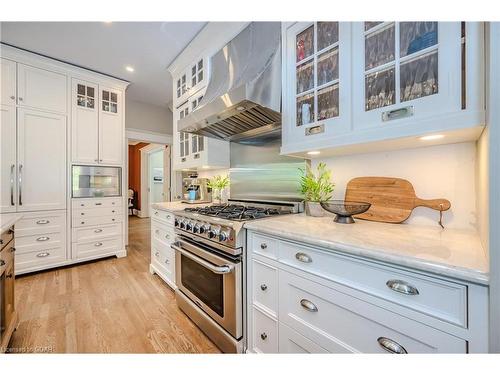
x: 90, y: 91
x: 419, y: 77
x: 328, y: 66
x: 305, y: 44
x: 105, y: 95
x: 200, y: 64
x: 416, y: 36
x: 328, y: 34
x: 193, y: 70
x: 380, y: 89
x: 80, y: 100
x: 200, y: 76
x: 305, y: 76
x: 80, y: 89
x: 201, y: 143
x: 114, y: 108
x: 194, y: 144
x: 114, y: 97
x: 305, y: 109
x: 379, y: 47
x: 90, y: 103
x: 371, y: 24
x: 328, y: 102
x: 105, y: 106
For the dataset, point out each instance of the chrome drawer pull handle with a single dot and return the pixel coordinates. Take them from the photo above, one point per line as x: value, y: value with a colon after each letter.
x: 308, y: 305
x: 263, y: 335
x: 98, y: 204
x: 263, y: 287
x: 44, y: 238
x: 156, y: 212
x: 263, y: 246
x: 97, y: 244
x: 304, y: 258
x: 43, y: 222
x: 97, y: 230
x: 403, y: 287
x: 391, y: 346
x: 82, y: 213
x: 42, y: 255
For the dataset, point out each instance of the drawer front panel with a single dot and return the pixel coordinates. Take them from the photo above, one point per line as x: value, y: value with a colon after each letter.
x: 293, y: 342
x: 38, y: 242
x: 263, y: 245
x: 96, y: 203
x: 6, y: 255
x: 265, y: 333
x: 102, y: 220
x: 40, y: 258
x: 441, y: 299
x: 162, y: 232
x: 265, y: 286
x: 164, y: 257
x: 164, y: 217
x: 42, y: 222
x: 97, y: 232
x: 95, y: 212
x: 97, y: 248
x: 339, y: 326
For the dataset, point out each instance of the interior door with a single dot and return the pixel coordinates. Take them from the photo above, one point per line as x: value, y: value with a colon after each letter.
x: 85, y: 122
x: 8, y: 159
x: 111, y: 137
x: 41, y: 155
x: 7, y: 82
x: 41, y: 89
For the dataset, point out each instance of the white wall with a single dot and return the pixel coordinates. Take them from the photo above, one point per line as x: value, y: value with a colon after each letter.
x: 446, y: 171
x: 148, y: 117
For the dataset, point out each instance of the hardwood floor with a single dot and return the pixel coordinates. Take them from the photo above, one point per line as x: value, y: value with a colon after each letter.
x: 106, y: 306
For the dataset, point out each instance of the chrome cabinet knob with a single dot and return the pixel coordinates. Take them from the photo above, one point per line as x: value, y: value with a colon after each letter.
x: 97, y: 230
x: 97, y: 244
x: 263, y: 246
x: 20, y: 99
x: 157, y: 254
x: 402, y: 287
x: 13, y: 97
x: 263, y: 287
x: 263, y: 336
x: 303, y: 257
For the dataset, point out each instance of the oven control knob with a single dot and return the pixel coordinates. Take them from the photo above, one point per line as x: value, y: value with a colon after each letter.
x: 213, y: 233
x: 189, y: 225
x: 182, y: 224
x: 196, y: 228
x: 223, y: 236
x: 204, y: 228
x: 176, y: 222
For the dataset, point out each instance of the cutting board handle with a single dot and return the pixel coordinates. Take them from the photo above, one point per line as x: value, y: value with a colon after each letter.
x: 435, y: 204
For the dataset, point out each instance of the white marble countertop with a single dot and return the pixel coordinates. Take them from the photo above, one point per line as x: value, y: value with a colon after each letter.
x: 176, y: 205
x: 7, y: 220
x: 448, y: 252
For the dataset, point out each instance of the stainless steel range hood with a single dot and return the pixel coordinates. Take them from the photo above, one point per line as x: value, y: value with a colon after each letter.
x: 243, y: 97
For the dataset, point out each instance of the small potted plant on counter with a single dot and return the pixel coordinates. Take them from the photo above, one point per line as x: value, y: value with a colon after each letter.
x: 218, y: 184
x: 316, y: 188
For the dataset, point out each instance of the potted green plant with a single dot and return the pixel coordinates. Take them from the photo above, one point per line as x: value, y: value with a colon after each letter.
x: 218, y: 184
x: 316, y: 188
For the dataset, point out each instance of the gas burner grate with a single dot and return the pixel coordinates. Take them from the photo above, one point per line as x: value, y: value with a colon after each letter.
x: 235, y: 212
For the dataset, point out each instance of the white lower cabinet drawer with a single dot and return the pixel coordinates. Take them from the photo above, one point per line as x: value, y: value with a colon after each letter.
x: 96, y: 202
x: 164, y: 217
x: 40, y: 258
x: 263, y: 245
x: 33, y: 223
x: 264, y: 332
x: 96, y: 212
x: 97, y: 248
x: 438, y: 298
x: 101, y: 220
x: 291, y: 342
x: 29, y: 244
x: 265, y: 286
x: 341, y: 323
x: 164, y: 257
x: 162, y: 232
x: 97, y: 232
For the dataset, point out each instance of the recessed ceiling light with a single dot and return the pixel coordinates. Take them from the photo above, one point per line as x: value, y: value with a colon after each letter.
x: 108, y: 22
x: 128, y: 68
x: 313, y: 153
x: 431, y: 137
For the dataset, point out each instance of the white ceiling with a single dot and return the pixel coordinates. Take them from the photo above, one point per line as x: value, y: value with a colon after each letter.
x: 149, y: 47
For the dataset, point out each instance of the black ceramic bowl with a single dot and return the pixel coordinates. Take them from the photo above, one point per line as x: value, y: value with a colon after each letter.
x: 345, y: 210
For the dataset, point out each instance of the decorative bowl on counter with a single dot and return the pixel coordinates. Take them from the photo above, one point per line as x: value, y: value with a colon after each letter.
x: 344, y: 210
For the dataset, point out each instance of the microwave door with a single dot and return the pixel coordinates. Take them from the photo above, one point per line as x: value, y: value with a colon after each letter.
x: 91, y: 182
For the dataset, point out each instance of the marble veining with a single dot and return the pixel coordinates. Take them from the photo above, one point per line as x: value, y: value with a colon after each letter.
x: 448, y: 252
x: 176, y: 205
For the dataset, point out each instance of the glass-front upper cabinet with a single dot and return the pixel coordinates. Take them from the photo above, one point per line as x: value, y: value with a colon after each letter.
x: 405, y: 71
x: 317, y: 85
x: 184, y: 138
x: 198, y: 75
x: 197, y: 141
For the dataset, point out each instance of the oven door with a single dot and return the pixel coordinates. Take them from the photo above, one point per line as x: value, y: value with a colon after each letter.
x: 212, y: 282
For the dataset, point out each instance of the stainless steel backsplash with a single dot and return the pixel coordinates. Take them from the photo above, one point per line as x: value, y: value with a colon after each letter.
x: 260, y: 172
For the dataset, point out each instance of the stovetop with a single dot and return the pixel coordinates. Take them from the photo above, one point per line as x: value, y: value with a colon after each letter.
x: 237, y: 212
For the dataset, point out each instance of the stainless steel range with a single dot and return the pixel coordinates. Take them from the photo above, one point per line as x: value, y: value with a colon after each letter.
x: 210, y: 265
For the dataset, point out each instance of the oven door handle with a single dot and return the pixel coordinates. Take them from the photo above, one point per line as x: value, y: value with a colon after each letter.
x: 215, y: 269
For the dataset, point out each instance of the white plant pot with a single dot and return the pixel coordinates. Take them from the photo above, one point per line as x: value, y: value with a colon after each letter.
x: 314, y: 209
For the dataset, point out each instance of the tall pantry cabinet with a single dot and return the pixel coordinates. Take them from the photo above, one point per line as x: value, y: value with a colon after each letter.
x: 43, y: 133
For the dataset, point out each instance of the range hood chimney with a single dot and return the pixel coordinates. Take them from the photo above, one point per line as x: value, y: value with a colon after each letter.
x: 243, y: 97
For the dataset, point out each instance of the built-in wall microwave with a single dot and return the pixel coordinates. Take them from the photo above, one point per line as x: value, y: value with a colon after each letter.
x: 90, y: 182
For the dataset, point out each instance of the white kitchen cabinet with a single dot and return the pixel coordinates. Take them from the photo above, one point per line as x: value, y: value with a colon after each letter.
x: 316, y: 82
x: 403, y: 80
x: 162, y: 255
x: 41, y: 89
x: 85, y: 122
x: 41, y: 157
x: 97, y: 123
x: 181, y: 157
x: 8, y: 82
x: 8, y: 197
x: 302, y: 298
x: 191, y: 80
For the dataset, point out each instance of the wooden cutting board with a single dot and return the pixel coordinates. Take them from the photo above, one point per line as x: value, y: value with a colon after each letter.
x: 393, y: 199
